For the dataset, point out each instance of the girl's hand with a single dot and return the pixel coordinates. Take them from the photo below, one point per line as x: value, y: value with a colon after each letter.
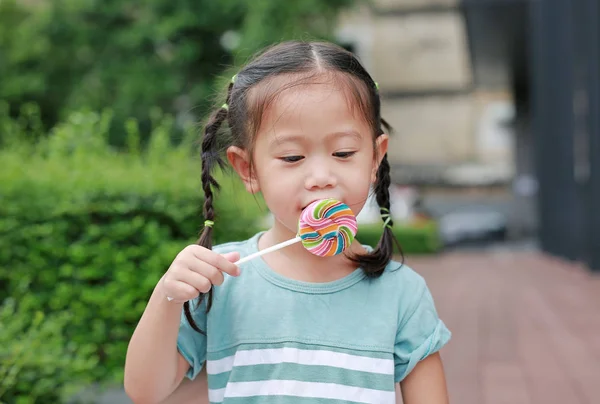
x: 195, y: 270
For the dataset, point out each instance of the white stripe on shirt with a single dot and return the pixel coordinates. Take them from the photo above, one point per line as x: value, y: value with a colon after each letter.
x: 302, y: 389
x: 301, y: 357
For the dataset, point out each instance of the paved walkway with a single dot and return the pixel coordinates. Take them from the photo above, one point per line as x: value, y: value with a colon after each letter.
x: 526, y: 328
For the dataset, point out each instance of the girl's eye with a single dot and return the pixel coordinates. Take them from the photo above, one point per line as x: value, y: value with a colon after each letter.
x: 292, y: 159
x: 344, y: 155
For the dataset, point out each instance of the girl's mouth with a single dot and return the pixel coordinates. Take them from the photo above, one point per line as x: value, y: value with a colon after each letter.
x: 314, y: 200
x: 308, y: 204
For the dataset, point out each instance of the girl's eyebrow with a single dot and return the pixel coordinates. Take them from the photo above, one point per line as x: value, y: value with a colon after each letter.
x: 278, y: 140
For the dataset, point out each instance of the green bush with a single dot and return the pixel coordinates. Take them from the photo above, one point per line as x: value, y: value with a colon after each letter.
x: 38, y: 363
x: 421, y: 238
x: 89, y: 231
x: 65, y: 54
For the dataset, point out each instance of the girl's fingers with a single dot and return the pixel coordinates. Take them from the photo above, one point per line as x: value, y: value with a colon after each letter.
x: 195, y: 270
x: 216, y: 260
x: 206, y: 270
x: 202, y: 277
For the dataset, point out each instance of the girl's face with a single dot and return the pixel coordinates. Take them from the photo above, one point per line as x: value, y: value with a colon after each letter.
x: 311, y: 145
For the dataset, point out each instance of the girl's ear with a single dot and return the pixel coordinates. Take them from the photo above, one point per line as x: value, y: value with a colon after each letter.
x: 240, y: 161
x: 381, y: 148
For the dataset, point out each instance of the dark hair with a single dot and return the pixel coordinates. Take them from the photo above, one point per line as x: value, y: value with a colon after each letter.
x: 249, y: 94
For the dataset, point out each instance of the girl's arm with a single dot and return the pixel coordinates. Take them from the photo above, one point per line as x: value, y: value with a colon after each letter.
x: 190, y: 391
x: 426, y: 383
x: 153, y: 365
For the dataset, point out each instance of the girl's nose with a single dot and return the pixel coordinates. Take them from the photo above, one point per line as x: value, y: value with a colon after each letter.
x: 319, y: 176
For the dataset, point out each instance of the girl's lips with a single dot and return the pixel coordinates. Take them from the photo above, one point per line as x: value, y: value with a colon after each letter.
x: 314, y: 200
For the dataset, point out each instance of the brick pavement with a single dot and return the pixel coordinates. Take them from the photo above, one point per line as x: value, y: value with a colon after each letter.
x: 526, y: 327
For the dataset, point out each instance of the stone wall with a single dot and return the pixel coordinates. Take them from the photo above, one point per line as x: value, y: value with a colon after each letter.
x: 418, y: 52
x: 421, y: 52
x: 430, y: 130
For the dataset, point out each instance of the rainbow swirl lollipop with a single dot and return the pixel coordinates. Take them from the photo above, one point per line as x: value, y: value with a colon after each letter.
x: 327, y: 227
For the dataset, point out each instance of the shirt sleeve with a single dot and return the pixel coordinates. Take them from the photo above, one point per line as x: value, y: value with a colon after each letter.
x: 420, y: 333
x: 190, y: 343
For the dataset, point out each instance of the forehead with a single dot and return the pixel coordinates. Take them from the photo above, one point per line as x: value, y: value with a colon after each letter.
x: 323, y: 103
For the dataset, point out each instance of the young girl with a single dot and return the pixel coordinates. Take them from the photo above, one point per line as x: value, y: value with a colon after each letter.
x: 291, y: 327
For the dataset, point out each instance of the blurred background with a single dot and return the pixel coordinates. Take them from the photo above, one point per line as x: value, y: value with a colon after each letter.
x: 495, y: 160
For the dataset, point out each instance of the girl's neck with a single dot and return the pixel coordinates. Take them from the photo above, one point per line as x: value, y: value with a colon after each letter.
x: 297, y: 263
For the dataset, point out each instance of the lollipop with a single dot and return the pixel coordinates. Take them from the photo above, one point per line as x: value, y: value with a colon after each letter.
x: 326, y: 227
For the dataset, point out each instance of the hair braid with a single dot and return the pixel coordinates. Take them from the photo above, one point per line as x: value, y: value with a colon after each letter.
x: 210, y: 159
x: 382, y: 187
x: 375, y: 262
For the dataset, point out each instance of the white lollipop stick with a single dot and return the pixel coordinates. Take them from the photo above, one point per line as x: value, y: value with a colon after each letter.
x: 268, y: 250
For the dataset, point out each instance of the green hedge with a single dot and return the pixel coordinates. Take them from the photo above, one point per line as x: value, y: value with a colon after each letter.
x: 417, y: 238
x: 38, y: 364
x: 87, y: 231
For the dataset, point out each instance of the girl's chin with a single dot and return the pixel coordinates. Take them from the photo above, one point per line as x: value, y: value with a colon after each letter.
x: 285, y: 228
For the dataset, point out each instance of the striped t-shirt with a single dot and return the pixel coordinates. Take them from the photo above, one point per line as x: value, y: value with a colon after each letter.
x: 271, y: 339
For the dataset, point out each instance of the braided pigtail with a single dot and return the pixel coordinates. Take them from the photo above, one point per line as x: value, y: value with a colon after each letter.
x: 382, y: 195
x: 374, y: 263
x: 210, y: 160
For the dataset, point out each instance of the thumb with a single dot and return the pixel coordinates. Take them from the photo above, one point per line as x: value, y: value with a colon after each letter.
x: 231, y: 256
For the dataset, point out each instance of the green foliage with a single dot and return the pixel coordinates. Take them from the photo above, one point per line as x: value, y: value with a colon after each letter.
x: 304, y: 19
x: 131, y: 56
x: 38, y: 363
x: 420, y: 238
x: 24, y: 129
x: 89, y: 231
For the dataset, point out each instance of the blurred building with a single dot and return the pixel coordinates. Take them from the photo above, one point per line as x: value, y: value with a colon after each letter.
x: 449, y: 128
x: 494, y: 92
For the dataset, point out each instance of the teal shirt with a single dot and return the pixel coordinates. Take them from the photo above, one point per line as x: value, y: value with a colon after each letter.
x: 270, y: 339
